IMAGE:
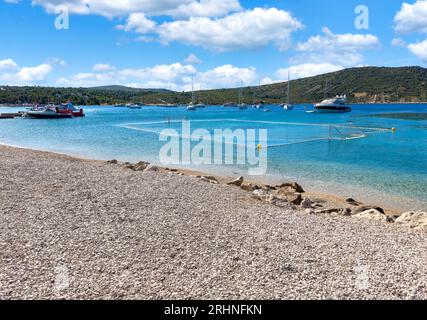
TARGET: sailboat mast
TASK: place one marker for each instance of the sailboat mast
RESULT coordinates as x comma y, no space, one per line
326,88
192,90
289,86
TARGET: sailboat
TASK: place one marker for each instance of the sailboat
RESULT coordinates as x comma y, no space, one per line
255,105
241,105
288,105
192,106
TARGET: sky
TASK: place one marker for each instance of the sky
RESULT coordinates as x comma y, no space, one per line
211,43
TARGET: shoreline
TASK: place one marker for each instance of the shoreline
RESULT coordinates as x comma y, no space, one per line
333,200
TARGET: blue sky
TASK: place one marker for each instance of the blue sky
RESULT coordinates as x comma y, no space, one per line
163,43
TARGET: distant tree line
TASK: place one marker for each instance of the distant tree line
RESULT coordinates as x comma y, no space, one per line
364,85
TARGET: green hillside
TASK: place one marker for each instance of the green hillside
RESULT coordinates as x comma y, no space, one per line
368,84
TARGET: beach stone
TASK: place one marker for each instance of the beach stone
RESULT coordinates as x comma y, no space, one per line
306,203
249,187
152,168
260,194
361,209
333,211
129,166
209,179
238,182
292,185
353,202
295,198
413,219
212,178
372,214
271,198
309,211
141,166
114,161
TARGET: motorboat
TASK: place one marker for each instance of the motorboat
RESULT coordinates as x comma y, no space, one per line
133,106
52,111
48,112
334,105
191,107
69,108
287,106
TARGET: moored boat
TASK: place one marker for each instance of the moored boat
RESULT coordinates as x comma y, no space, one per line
334,105
48,113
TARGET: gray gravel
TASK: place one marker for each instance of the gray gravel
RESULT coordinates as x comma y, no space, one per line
72,228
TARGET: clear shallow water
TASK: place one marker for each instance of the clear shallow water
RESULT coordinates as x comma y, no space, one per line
381,165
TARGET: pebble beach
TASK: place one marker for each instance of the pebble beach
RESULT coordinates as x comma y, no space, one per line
72,228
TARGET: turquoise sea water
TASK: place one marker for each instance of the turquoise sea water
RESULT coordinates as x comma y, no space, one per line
377,164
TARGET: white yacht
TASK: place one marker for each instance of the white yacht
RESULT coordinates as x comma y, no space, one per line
334,105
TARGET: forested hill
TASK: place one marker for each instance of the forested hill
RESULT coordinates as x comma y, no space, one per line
365,85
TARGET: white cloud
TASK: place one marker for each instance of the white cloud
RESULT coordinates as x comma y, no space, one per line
226,76
16,75
339,42
307,70
174,76
268,80
138,22
412,17
206,8
193,59
56,62
8,64
419,49
116,8
159,72
102,67
34,74
398,42
335,49
243,30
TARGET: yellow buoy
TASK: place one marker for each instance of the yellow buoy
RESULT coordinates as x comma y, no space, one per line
393,130
259,147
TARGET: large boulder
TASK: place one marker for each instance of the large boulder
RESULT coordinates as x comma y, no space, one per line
372,214
237,182
416,220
